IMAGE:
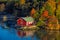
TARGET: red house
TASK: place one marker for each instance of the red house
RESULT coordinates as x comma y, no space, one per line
25,21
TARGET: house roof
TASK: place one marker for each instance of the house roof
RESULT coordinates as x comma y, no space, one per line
28,19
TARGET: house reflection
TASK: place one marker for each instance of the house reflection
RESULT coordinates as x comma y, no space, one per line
25,33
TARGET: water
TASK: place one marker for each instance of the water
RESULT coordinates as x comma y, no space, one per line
48,35
12,34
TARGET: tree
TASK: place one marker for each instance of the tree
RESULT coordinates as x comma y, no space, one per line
33,11
50,6
22,2
58,12
40,23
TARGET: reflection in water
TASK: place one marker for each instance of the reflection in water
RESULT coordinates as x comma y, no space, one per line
10,34
26,34
48,35
40,34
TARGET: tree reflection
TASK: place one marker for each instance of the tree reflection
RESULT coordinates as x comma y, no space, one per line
40,34
47,35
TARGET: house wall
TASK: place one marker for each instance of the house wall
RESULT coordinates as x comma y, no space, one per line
29,23
21,22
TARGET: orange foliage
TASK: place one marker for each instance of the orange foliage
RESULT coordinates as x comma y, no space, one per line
45,13
53,19
59,2
22,2
33,11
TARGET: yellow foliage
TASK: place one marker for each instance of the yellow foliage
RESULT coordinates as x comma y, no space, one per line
58,7
58,12
22,2
52,4
53,23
